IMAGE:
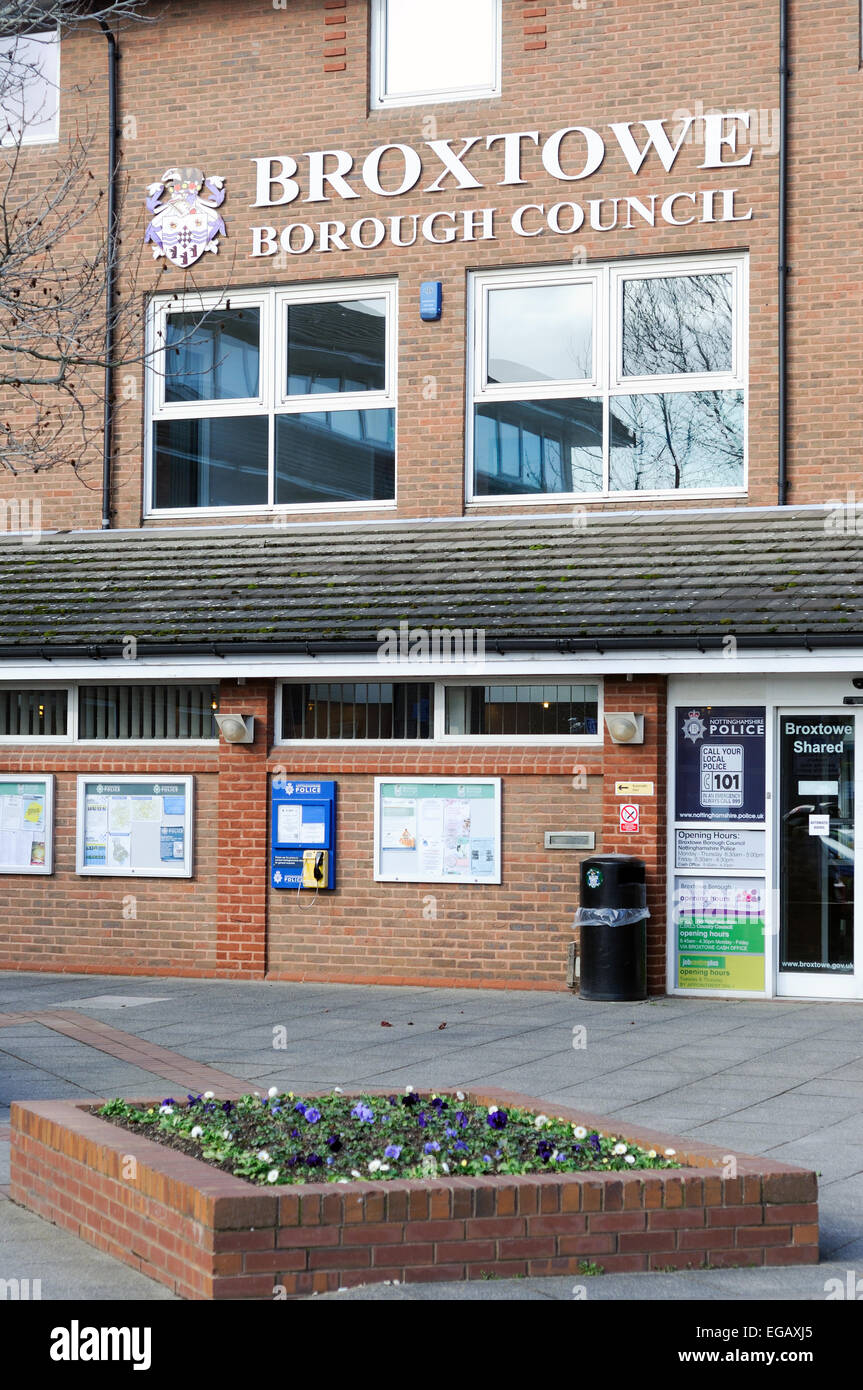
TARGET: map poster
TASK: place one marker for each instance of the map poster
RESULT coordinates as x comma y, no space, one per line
719,772
719,928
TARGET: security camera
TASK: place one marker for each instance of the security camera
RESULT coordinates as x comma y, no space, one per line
625,727
236,728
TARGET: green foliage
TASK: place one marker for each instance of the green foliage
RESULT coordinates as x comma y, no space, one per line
279,1138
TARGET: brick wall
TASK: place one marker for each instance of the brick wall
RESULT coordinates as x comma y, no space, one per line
113,924
486,935
218,84
227,920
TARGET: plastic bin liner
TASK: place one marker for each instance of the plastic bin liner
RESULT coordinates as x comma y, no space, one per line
609,916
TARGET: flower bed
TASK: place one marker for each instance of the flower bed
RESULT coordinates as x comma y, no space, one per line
278,1138
207,1233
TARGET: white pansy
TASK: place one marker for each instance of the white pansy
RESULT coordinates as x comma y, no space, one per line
273,1091
459,1095
264,1156
408,1090
385,1168
355,1174
492,1109
669,1153
197,1132
208,1095
651,1153
619,1149
540,1121
579,1131
445,1167
374,1165
273,1175
337,1091
630,1158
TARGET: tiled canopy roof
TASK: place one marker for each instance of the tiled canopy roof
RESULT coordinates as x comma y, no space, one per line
589,580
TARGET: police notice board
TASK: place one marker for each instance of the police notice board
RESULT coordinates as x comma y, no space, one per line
26,825
135,826
430,830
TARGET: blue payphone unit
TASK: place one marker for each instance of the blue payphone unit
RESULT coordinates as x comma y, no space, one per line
303,835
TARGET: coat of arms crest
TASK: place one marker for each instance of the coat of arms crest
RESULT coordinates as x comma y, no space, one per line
184,225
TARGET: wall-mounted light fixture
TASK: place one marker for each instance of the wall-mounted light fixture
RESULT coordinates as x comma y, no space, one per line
625,727
236,728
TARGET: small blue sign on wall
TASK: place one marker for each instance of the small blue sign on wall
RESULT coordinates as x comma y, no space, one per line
302,818
431,300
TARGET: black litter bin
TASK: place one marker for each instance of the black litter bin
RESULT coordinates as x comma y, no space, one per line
613,923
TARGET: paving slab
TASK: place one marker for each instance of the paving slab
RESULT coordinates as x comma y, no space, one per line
783,1077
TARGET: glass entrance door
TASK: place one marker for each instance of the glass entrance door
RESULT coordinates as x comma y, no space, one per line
817,916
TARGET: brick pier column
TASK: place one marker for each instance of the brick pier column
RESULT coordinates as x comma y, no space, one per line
644,762
243,867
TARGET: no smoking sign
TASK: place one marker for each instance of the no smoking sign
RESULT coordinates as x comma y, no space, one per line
629,818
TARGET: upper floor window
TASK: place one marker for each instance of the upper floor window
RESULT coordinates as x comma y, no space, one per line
616,379
29,88
274,397
434,50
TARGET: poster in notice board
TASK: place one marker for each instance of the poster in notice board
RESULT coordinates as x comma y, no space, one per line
135,826
430,830
26,824
720,763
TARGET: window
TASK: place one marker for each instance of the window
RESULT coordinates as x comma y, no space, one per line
33,713
274,398
609,380
29,88
434,50
356,710
520,711
103,713
147,711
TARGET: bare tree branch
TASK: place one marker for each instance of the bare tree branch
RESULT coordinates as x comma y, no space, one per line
55,259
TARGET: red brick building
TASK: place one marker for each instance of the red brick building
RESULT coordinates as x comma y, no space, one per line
494,375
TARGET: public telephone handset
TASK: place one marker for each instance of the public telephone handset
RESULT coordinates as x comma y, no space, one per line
315,868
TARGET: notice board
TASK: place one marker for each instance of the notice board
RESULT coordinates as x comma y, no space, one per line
26,825
430,830
135,826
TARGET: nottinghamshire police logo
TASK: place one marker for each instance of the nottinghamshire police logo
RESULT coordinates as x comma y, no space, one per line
184,225
693,725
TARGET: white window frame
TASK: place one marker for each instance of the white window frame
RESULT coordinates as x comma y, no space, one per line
72,720
608,380
272,398
51,136
439,735
379,98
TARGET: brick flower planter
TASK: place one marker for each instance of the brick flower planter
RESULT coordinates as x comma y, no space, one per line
207,1234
